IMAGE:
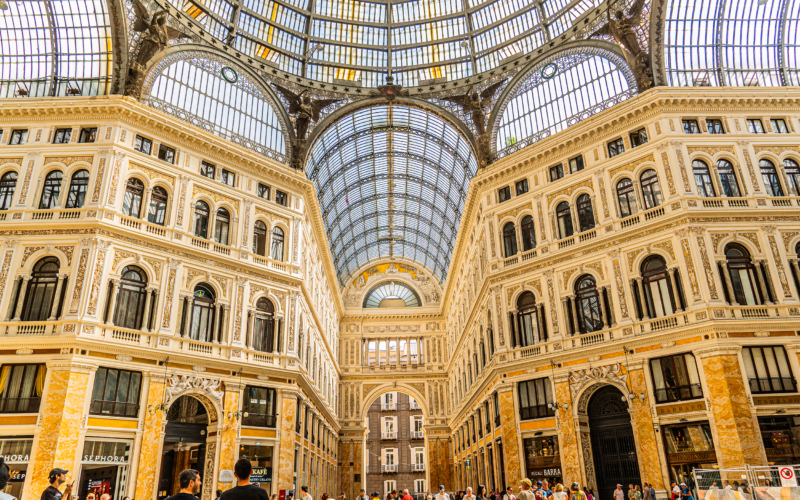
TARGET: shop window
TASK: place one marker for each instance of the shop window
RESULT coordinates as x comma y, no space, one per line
585,213
504,194
263,462
18,137
779,126
7,185
143,145
21,388
715,126
77,189
651,189
201,213
535,399
51,190
616,147
556,172
767,370
228,177
88,135
222,226
157,212
521,187
770,176
41,292
779,434
689,446
264,326
281,198
116,393
626,197
166,153
702,177
277,244
691,127
207,170
576,164
132,203
263,191
104,467
62,136
542,459
675,378
564,217
510,239
727,179
639,137
259,405
755,126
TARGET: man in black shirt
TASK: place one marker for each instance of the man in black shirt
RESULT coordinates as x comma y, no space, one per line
190,485
57,477
243,489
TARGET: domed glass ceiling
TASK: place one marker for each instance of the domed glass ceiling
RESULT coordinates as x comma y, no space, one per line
391,294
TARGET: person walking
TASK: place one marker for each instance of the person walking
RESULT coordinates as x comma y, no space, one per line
676,492
686,492
406,495
469,495
244,490
57,477
509,494
631,492
576,493
442,495
618,493
304,493
637,492
481,493
525,488
559,493
189,482
343,496
646,492
362,494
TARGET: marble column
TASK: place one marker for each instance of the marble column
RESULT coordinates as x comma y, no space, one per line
508,431
565,306
229,431
152,432
738,439
642,299
148,300
57,297
675,293
762,283
285,469
217,314
646,441
113,304
567,435
576,327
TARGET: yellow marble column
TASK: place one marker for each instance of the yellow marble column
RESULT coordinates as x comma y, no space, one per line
649,457
737,432
346,455
358,466
508,431
287,442
60,421
152,433
567,436
230,431
445,466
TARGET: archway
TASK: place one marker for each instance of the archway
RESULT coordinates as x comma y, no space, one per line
613,442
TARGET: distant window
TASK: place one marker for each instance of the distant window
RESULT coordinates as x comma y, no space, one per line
556,172
260,405
702,177
691,127
7,184
727,179
166,153
263,191
585,213
88,135
535,398
626,197
639,137
281,198
18,137
116,392
62,136
157,212
770,176
779,126
132,203
564,217
768,369
715,126
207,170
651,190
616,147
504,194
576,164
521,187
792,170
755,126
228,177
143,145
51,190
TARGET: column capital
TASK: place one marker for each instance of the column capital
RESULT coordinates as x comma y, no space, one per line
711,352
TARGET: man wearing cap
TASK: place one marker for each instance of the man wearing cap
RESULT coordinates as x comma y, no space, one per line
686,493
618,493
442,495
343,496
57,477
362,494
525,492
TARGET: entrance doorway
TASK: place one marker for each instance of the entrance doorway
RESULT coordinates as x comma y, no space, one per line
184,443
613,445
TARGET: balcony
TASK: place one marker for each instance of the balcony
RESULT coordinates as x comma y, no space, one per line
417,435
389,469
388,435
418,467
114,409
388,406
20,405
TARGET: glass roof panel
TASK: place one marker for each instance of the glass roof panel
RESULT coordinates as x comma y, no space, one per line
396,191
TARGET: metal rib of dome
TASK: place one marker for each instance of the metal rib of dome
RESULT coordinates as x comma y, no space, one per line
392,181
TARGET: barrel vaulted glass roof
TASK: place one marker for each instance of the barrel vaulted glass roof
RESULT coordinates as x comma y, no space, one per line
392,181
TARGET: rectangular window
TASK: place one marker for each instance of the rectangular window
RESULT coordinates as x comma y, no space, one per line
675,378
715,126
556,172
389,401
298,425
768,370
496,410
259,403
504,194
388,487
18,137
21,388
576,164
521,187
143,145
88,135
62,136
263,191
639,137
691,127
281,198
755,126
389,428
228,177
541,457
207,170
535,397
419,484
779,126
616,147
166,153
416,427
389,460
116,393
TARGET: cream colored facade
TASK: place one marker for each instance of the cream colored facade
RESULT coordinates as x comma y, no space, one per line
467,327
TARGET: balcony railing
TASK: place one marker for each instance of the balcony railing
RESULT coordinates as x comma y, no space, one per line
389,468
417,435
388,435
259,420
20,405
114,409
388,406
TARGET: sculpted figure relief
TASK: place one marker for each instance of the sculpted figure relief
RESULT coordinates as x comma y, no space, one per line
622,29
304,110
474,105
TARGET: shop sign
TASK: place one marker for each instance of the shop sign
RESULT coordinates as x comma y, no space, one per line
550,472
776,400
16,458
687,407
692,457
17,476
98,459
261,475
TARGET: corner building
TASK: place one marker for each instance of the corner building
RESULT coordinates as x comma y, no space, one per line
587,271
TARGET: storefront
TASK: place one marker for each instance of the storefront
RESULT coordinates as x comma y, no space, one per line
542,459
688,446
781,436
16,451
261,459
104,468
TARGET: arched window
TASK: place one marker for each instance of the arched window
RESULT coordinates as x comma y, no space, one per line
131,299
260,238
651,190
277,244
7,184
77,189
132,204
702,177
201,213
564,217
790,167
659,295
587,300
585,213
770,176
157,213
264,326
202,315
222,226
743,276
51,190
727,179
528,233
626,197
526,307
41,291
510,239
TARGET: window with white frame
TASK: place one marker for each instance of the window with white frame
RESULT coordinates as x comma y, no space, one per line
390,460
389,401
419,486
388,487
388,427
416,427
413,402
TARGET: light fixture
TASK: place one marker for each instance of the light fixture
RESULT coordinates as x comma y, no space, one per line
558,406
683,420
